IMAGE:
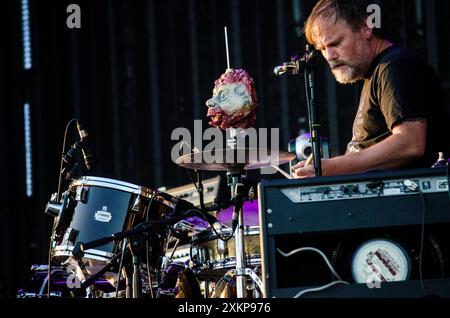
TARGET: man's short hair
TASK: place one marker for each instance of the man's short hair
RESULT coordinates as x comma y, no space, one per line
352,12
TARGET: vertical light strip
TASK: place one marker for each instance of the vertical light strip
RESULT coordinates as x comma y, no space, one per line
26,35
27,64
28,163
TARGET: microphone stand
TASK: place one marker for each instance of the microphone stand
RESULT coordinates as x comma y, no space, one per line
314,125
307,65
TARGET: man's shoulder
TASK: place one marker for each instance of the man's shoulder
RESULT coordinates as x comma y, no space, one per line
402,59
396,53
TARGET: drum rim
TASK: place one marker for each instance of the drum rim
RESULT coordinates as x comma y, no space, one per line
211,268
203,236
253,259
98,255
113,184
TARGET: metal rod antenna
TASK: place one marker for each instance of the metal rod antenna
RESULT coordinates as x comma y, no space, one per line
226,48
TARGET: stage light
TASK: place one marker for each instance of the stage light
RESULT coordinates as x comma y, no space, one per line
28,159
26,40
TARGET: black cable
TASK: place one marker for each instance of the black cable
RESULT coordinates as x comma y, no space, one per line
422,240
413,186
58,197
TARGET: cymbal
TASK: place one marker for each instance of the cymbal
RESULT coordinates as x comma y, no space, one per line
235,159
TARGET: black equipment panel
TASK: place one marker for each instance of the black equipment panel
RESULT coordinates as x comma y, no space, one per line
337,214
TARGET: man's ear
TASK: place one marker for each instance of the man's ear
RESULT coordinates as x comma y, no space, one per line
367,32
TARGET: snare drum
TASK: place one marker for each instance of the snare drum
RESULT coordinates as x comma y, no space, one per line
99,207
213,257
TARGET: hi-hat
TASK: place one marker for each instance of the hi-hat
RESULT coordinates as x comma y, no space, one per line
235,159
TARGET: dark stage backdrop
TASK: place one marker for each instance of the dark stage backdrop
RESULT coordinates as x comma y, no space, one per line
136,70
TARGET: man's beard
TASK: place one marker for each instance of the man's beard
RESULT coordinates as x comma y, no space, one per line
346,74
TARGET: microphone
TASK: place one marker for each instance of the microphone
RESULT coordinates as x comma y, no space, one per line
285,67
298,64
88,156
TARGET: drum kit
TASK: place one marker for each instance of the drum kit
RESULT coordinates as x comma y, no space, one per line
116,239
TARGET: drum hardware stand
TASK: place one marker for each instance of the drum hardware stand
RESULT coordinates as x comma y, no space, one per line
223,282
234,178
200,189
87,283
235,172
234,181
174,248
119,272
135,246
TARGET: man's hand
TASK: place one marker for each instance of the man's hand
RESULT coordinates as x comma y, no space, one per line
301,171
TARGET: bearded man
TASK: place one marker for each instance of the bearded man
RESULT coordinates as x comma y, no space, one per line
401,121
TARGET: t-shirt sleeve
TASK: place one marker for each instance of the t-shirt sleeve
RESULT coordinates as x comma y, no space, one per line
402,91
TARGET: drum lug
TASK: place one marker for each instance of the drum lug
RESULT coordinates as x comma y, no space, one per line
81,194
136,207
70,236
222,249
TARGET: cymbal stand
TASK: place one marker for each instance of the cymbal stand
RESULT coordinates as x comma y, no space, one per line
234,178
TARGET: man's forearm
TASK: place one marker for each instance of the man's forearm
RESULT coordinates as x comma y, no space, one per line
393,152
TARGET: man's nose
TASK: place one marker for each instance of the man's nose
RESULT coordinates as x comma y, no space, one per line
330,54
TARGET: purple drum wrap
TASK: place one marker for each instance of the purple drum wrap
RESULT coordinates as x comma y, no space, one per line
251,214
251,217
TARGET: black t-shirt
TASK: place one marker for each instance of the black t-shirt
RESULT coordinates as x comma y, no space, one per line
401,86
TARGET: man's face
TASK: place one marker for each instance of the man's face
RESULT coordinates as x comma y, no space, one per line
228,102
347,52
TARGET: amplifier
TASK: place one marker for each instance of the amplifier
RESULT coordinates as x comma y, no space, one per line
395,223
